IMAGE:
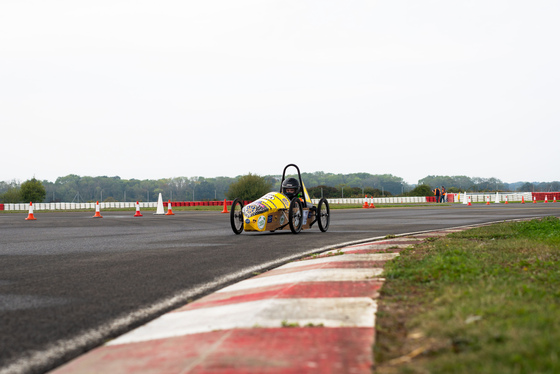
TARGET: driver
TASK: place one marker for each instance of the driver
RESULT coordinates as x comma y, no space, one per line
290,187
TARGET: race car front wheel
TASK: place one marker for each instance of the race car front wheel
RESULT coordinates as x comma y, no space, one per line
295,215
236,216
323,215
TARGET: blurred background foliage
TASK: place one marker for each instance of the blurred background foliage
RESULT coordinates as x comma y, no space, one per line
74,188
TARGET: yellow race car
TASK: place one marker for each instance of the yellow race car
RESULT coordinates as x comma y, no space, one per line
290,208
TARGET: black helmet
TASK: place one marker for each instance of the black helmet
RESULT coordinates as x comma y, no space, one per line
290,183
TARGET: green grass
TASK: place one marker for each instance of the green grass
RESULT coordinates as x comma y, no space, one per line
486,300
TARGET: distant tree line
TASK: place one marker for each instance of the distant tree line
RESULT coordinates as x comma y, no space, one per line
74,188
463,183
357,184
28,191
344,192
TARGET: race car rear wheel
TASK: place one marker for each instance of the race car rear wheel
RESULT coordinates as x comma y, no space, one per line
323,215
236,216
295,215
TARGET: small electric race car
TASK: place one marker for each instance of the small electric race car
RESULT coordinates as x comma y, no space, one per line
291,207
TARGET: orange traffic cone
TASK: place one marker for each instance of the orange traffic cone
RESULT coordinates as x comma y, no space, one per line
554,199
97,211
546,198
137,214
225,207
366,205
506,200
522,199
371,203
534,199
469,204
487,200
169,210
30,216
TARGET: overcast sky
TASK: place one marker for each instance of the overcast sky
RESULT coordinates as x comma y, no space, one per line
159,89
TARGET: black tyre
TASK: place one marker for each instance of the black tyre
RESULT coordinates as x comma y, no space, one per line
295,215
323,215
236,216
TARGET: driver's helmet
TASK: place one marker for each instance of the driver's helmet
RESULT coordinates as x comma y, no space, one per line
290,184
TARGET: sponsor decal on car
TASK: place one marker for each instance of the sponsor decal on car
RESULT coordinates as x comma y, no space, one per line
269,218
254,208
261,222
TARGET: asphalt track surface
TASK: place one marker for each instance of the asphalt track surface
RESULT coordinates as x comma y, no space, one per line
69,282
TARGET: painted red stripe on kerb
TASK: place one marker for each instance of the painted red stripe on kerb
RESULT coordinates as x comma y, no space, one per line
366,288
258,350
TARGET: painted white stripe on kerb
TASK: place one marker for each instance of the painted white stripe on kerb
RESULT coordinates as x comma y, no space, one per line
342,258
315,275
373,246
331,312
367,248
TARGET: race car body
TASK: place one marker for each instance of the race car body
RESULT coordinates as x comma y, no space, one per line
275,211
267,213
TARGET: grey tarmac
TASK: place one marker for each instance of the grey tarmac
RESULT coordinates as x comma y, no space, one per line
69,282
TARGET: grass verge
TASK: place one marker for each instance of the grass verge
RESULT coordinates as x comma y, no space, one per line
486,300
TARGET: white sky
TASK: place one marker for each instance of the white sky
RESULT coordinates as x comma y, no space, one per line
157,89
